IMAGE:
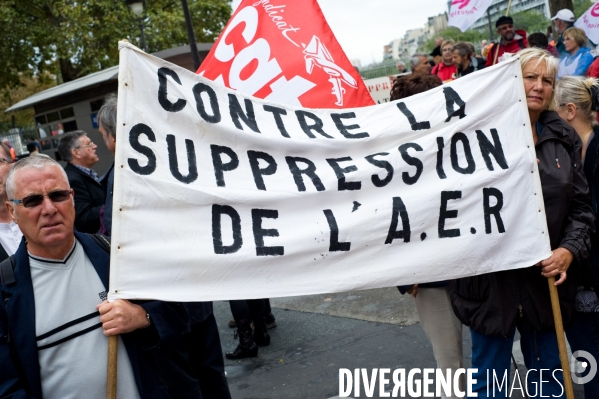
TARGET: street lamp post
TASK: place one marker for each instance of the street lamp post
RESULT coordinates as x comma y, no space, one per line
191,36
491,37
137,8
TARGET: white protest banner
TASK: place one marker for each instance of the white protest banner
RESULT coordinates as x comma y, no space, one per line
463,13
223,196
589,23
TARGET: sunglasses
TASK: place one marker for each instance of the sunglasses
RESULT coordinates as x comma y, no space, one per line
32,201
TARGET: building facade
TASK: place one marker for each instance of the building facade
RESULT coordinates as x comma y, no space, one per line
410,42
391,50
435,25
404,48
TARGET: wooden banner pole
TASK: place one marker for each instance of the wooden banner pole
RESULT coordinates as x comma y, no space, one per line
507,12
509,5
113,343
561,340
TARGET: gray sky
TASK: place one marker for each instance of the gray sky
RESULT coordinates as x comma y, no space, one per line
363,27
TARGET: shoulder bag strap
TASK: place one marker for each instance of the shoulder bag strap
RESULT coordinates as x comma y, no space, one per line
102,241
7,273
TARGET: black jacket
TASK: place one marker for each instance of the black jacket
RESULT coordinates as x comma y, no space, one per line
492,304
476,64
89,198
591,164
149,349
590,269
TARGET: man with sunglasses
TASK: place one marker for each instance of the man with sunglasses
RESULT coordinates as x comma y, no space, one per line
511,40
10,234
54,318
79,152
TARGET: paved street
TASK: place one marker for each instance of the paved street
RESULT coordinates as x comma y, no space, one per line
317,335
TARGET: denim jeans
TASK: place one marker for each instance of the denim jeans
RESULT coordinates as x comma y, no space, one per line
583,334
492,355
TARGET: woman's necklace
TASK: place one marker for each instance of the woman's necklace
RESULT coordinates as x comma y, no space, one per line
585,138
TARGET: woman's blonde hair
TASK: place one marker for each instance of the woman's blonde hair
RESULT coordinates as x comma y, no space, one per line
538,55
578,35
578,91
446,42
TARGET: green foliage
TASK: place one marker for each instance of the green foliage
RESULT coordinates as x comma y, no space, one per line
531,21
580,6
74,38
26,87
456,35
46,42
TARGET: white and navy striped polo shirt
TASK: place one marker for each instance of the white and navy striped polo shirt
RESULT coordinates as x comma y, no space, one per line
72,350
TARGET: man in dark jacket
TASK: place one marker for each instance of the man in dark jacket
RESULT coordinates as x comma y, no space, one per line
53,344
200,347
79,152
464,60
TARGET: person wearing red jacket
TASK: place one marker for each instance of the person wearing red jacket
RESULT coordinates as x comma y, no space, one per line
511,40
446,70
593,71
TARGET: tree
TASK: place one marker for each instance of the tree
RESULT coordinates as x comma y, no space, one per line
556,5
28,86
531,21
456,35
74,38
581,6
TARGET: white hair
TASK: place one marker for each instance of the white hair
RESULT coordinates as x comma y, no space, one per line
35,162
416,59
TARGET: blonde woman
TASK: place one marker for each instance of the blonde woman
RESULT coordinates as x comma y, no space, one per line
494,305
577,100
578,57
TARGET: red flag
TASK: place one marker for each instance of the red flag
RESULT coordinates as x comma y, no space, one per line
284,51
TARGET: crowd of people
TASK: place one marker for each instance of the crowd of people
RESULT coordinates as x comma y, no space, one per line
562,94
56,225
450,60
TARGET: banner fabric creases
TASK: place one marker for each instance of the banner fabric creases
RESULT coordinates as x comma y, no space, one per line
219,195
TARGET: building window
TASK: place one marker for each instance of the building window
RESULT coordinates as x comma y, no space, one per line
55,123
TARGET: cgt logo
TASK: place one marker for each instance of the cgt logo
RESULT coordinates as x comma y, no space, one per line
461,3
257,51
595,10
